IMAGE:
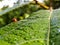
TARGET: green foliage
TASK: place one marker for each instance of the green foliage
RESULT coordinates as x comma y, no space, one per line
30,31
55,28
4,7
55,3
4,43
1,22
19,12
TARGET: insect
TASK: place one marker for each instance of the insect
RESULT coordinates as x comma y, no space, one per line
14,20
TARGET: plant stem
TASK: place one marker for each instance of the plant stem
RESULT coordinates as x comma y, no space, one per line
51,5
51,9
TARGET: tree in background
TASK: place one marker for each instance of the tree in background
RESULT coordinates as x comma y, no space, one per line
5,7
56,3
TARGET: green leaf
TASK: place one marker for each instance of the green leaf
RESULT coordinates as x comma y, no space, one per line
33,30
55,28
4,43
30,31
